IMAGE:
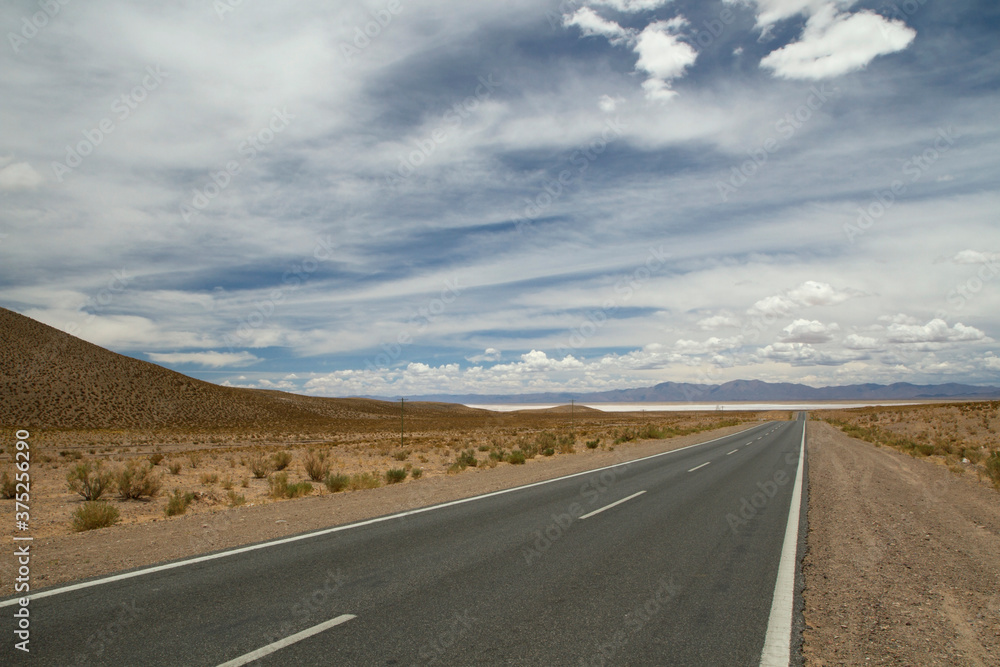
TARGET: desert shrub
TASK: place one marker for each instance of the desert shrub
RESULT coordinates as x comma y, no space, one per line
416,473
277,483
89,481
336,483
281,460
497,455
566,448
155,459
178,502
924,449
468,458
194,459
298,489
651,432
625,435
227,483
94,514
484,448
395,475
365,480
236,499
209,478
134,481
280,488
546,440
593,444
548,451
8,487
401,455
259,466
992,465
316,466
516,457
175,467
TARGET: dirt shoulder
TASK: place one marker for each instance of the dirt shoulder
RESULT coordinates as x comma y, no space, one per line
62,558
903,564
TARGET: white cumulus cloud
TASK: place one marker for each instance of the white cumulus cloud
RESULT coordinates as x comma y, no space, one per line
809,293
858,342
834,44
991,362
490,354
809,331
590,24
770,12
935,331
663,56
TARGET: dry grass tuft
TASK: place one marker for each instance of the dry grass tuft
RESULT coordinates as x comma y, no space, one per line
94,514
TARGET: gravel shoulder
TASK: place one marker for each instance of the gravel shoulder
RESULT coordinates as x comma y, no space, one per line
903,562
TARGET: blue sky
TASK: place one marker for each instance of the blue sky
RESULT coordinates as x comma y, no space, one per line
403,197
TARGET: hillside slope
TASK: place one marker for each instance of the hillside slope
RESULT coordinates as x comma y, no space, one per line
50,379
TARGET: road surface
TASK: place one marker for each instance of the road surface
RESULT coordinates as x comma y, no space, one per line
669,560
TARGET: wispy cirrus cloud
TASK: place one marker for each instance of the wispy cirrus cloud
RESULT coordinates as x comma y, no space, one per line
613,120
206,359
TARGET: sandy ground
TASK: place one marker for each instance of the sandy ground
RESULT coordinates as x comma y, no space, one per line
903,566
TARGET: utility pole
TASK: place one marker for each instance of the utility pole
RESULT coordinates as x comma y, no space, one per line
572,419
402,403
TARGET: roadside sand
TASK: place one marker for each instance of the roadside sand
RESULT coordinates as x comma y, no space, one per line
903,566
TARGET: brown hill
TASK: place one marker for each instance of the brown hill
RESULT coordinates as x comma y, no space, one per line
562,410
50,379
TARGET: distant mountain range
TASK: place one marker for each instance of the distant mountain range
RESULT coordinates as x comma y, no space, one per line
737,390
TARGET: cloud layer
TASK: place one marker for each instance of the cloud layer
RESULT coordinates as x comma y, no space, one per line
444,196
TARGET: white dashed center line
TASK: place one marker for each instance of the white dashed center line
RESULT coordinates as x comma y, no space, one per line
287,641
607,507
701,466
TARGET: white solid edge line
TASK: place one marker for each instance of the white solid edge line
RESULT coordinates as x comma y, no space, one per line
336,529
287,641
778,640
617,502
701,466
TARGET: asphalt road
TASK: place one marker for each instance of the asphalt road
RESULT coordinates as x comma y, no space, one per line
671,560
